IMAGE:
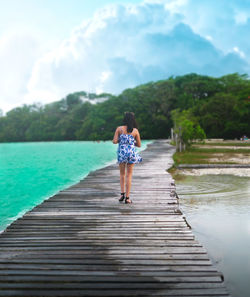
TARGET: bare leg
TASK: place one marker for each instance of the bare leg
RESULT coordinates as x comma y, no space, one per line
122,176
129,179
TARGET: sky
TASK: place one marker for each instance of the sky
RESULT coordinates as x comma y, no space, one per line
50,48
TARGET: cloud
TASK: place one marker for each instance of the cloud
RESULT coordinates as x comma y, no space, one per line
126,45
227,22
17,56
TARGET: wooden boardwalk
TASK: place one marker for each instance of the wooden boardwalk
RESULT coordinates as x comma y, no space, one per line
83,242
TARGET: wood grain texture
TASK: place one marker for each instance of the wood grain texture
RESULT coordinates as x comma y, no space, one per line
83,242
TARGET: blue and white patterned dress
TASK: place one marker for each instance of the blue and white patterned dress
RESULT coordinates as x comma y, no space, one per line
126,152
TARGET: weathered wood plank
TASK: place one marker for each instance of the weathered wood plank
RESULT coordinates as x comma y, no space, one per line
108,279
108,250
109,267
102,273
150,284
77,263
116,293
72,256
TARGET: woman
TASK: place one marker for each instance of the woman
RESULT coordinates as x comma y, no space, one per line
128,137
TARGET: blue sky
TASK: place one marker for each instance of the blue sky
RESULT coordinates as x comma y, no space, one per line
49,48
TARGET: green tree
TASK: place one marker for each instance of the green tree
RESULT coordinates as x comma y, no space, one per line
187,126
218,106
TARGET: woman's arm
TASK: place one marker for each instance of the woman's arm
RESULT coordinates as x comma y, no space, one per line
116,136
138,139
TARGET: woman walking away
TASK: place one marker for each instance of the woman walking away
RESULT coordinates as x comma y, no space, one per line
128,137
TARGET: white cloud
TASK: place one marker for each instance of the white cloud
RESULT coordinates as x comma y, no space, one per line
241,17
226,21
17,56
115,35
208,37
126,45
238,51
175,5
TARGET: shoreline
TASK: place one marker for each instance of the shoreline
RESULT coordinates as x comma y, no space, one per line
212,159
81,177
242,172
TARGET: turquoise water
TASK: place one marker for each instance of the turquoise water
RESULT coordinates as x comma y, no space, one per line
33,171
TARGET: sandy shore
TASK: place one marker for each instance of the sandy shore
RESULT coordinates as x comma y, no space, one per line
235,158
216,171
223,147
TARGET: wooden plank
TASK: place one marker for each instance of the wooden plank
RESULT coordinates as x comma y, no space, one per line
108,250
116,293
109,237
72,256
139,260
109,267
108,279
114,228
150,284
102,273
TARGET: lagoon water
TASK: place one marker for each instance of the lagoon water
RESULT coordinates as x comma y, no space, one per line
33,171
218,209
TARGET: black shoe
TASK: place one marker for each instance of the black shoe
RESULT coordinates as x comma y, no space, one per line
122,197
127,200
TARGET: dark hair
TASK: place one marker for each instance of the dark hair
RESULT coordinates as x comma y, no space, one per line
129,121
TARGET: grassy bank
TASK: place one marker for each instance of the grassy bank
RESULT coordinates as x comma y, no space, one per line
211,155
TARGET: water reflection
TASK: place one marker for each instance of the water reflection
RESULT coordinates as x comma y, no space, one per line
218,209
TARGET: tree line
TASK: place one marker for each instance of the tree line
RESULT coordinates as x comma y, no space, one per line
218,106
